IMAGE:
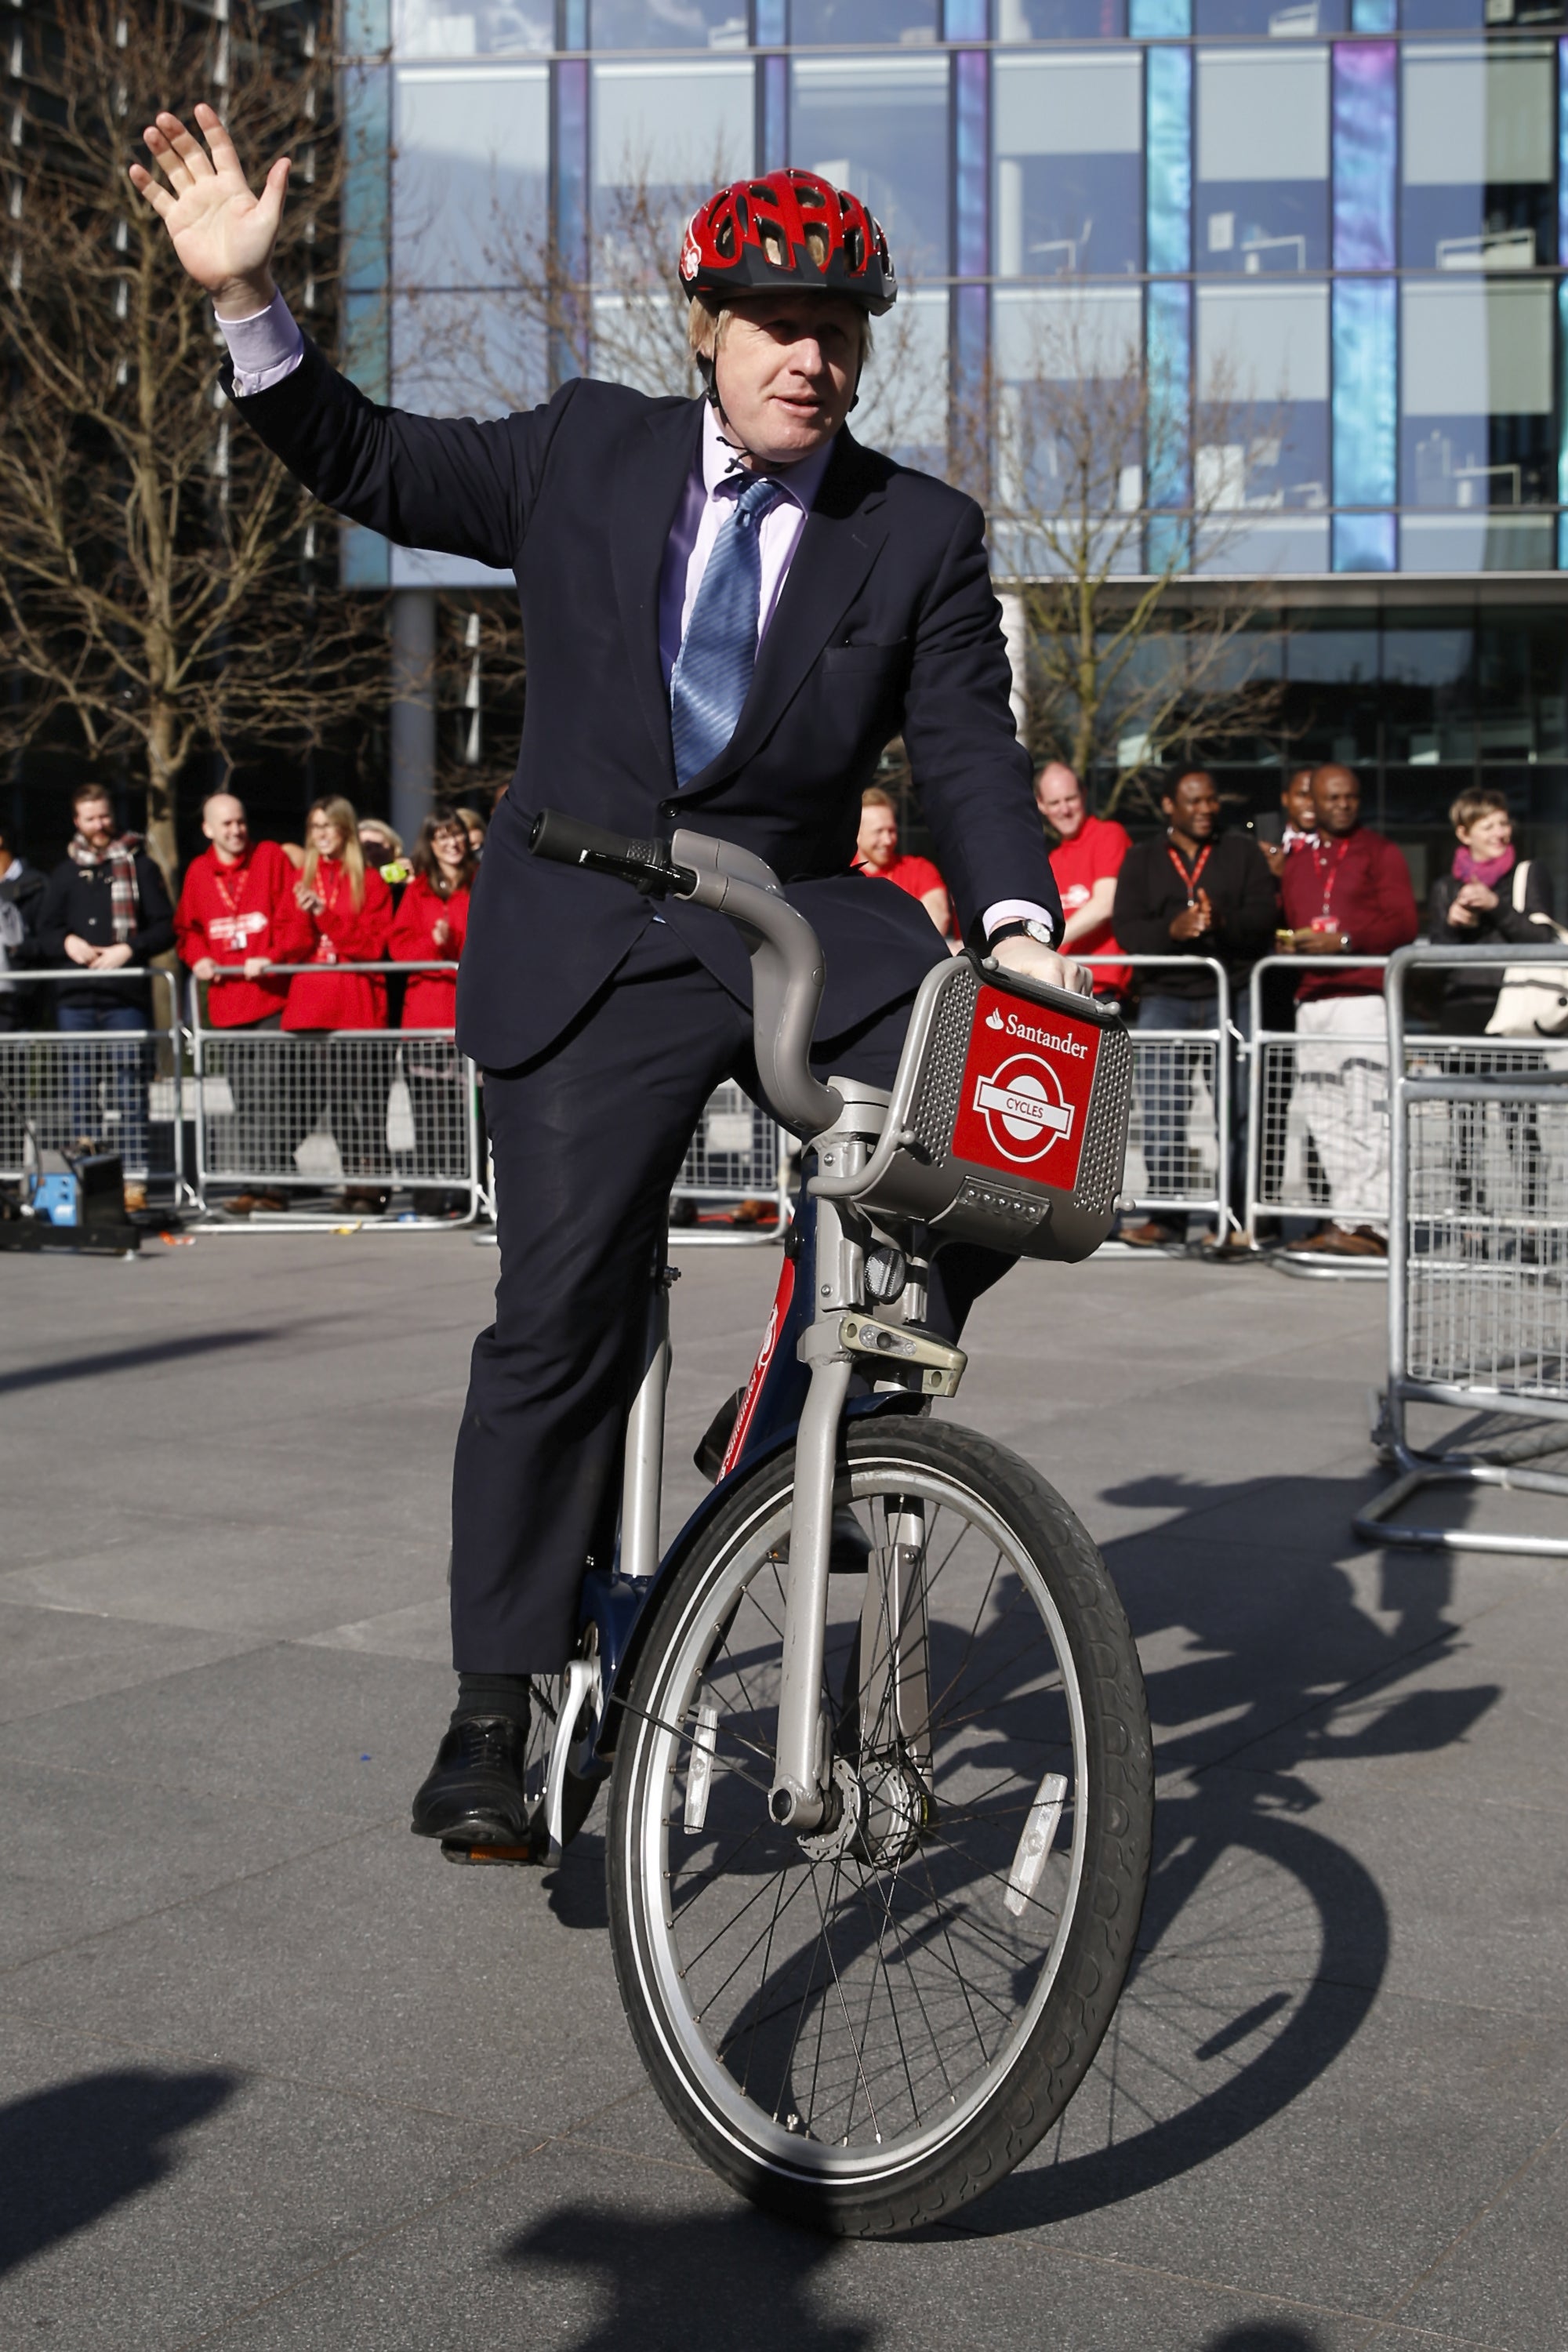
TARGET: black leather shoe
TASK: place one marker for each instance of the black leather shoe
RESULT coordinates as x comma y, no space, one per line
473,1794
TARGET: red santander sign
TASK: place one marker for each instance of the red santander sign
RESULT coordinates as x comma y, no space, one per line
1023,1106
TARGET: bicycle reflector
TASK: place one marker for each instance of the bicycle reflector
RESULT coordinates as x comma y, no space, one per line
1016,1097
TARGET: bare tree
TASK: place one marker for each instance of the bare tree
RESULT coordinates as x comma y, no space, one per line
167,589
1114,533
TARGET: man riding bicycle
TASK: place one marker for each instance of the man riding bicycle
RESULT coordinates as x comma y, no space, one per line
729,606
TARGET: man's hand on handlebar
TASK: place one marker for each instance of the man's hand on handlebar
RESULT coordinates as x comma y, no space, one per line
1035,962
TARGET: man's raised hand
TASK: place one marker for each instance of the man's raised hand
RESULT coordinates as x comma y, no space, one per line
222,232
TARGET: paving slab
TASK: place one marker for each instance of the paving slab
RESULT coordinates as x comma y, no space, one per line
336,2093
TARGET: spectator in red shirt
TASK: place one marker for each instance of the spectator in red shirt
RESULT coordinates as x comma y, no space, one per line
1086,862
1351,888
877,854
349,908
432,922
237,913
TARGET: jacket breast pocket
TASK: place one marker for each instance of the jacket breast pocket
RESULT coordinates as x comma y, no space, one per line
864,661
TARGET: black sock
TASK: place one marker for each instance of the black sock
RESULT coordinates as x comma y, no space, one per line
492,1695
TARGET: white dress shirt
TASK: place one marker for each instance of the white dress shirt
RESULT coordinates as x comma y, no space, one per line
267,346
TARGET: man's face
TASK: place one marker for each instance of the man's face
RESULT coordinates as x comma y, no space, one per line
1336,796
1058,796
224,825
1296,800
1193,807
95,822
786,371
878,840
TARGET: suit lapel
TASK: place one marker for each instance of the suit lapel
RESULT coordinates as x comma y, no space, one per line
842,539
650,476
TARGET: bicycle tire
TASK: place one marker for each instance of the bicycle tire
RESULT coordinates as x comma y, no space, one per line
911,2150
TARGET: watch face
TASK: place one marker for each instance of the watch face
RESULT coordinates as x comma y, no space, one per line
1040,932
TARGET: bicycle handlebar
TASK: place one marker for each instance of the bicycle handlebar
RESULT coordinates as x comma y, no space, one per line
786,956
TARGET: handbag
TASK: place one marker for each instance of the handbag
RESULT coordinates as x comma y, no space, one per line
1533,999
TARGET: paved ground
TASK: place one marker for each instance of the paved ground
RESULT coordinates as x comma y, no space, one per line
276,2076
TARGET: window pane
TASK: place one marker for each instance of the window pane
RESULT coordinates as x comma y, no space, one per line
903,395
667,24
1263,161
472,177
859,21
1069,178
879,125
1262,437
1475,394
1070,431
468,28
1060,20
1282,20
1473,16
1478,165
664,136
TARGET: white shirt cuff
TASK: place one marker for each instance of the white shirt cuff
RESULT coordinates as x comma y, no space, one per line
1018,910
264,348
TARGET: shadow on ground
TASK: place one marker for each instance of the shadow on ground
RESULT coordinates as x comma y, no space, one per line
665,2285
68,2156
1264,1941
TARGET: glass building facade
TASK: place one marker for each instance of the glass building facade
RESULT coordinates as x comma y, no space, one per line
1352,212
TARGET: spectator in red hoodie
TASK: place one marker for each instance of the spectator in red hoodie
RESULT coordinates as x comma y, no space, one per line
237,913
1086,862
877,854
1348,889
432,922
349,909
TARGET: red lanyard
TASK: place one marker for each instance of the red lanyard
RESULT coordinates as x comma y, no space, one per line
1190,881
1336,860
231,898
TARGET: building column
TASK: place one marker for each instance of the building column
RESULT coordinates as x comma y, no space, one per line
413,708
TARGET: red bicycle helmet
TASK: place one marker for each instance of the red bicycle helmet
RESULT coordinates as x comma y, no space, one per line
788,231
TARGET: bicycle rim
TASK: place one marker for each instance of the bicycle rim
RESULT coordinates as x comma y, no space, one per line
842,2015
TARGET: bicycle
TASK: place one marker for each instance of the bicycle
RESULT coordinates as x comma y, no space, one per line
880,1803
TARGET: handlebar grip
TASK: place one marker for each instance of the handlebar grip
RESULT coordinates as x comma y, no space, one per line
568,841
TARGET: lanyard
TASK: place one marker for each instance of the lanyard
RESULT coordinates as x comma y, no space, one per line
230,898
1326,874
1190,881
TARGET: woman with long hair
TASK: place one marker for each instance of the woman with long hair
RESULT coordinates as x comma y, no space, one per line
350,911
431,924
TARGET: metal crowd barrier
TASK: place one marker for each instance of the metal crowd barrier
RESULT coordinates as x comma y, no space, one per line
1478,1290
114,1089
306,1114
738,1156
1178,1145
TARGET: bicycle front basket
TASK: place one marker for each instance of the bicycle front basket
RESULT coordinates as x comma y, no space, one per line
1017,1097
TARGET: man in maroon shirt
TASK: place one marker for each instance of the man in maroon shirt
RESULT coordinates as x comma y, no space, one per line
1349,888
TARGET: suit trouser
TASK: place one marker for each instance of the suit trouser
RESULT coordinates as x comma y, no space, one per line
588,1140
1341,1076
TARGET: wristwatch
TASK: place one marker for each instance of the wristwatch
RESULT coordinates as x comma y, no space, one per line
1041,933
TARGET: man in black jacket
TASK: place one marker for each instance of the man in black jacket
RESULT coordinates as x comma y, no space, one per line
22,889
1193,890
730,607
107,911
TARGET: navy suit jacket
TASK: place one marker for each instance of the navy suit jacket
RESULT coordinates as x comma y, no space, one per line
886,624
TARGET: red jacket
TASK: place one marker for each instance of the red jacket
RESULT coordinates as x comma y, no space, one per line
342,934
1361,881
232,913
430,1000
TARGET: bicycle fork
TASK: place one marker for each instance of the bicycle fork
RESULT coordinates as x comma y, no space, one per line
840,1340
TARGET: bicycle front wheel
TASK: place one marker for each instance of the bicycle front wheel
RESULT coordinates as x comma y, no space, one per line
865,2027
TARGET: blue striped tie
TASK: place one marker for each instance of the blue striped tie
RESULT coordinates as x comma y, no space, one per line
718,651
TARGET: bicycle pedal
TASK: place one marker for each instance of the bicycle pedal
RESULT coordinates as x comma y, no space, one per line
517,1857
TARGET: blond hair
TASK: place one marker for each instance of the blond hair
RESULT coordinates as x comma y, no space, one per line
341,812
708,320
875,797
